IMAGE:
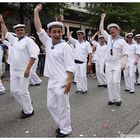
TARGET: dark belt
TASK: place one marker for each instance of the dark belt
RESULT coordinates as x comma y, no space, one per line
78,62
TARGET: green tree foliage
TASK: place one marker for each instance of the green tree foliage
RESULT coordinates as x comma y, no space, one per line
23,10
124,14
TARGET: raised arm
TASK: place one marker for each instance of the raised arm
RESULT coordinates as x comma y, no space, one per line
37,21
69,34
101,26
93,37
3,26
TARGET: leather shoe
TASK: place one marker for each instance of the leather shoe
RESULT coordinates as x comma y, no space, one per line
111,103
83,92
118,103
100,85
24,115
105,86
57,130
126,90
61,135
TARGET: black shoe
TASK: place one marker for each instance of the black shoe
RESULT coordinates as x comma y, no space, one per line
126,90
118,103
57,130
83,92
78,91
61,135
132,92
38,84
23,115
105,86
138,84
100,85
111,103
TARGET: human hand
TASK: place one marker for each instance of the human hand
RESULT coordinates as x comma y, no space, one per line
103,15
38,7
1,18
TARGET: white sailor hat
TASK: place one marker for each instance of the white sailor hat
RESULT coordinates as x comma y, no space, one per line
100,36
137,36
80,31
113,25
55,24
19,26
128,34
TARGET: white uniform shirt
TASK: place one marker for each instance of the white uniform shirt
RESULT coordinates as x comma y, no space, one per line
120,48
132,54
59,60
81,49
21,52
99,53
10,50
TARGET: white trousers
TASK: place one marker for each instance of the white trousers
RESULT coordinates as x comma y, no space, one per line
113,84
19,90
81,76
2,88
58,106
138,67
101,76
34,77
129,78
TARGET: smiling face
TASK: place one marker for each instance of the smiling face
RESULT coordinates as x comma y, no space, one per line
114,32
20,32
56,35
129,38
80,36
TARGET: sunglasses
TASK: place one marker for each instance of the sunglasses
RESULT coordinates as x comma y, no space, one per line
111,51
78,34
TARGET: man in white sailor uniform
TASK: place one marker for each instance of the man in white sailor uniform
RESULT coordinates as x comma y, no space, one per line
35,80
24,54
99,58
59,68
130,70
115,60
82,50
137,38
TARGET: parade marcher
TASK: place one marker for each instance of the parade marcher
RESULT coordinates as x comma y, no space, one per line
115,60
130,70
24,53
100,60
2,88
137,38
82,50
35,80
59,68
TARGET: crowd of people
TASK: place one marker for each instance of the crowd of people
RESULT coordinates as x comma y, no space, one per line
108,57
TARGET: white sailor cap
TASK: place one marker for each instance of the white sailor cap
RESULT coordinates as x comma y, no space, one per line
80,31
100,36
55,24
128,34
19,26
137,36
113,25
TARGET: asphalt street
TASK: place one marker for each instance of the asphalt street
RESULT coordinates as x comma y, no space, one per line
90,114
